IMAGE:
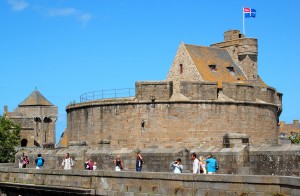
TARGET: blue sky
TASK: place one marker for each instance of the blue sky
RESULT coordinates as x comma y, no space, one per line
68,47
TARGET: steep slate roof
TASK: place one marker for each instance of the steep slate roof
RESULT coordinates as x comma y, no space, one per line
205,56
35,99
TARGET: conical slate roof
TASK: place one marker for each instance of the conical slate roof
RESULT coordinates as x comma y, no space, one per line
35,99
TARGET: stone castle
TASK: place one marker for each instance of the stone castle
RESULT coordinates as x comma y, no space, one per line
212,101
209,93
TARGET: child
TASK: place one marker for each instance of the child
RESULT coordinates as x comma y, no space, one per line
95,166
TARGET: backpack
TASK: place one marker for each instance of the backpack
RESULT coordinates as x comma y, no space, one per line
217,165
39,161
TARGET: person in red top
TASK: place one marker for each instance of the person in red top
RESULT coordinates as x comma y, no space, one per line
90,164
25,162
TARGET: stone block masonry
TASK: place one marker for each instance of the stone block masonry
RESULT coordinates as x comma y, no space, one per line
59,182
151,118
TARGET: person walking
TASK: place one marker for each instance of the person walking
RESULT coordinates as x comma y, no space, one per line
21,160
86,164
118,163
211,164
176,166
39,162
202,165
196,164
67,162
139,162
25,162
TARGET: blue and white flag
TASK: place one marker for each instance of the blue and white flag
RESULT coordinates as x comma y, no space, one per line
248,12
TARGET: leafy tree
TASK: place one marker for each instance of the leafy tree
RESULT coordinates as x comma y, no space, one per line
9,139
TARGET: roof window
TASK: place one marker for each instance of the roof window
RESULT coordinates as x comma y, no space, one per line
231,71
213,69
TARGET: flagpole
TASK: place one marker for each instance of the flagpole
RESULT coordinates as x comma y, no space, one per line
243,21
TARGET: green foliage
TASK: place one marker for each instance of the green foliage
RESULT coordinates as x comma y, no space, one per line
9,139
295,137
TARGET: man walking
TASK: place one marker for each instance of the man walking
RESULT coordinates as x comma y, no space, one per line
68,162
39,162
196,163
211,164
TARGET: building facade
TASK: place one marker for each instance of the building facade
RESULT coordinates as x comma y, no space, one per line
37,117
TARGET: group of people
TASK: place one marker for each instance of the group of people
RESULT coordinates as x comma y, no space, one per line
89,165
23,161
67,162
208,165
119,163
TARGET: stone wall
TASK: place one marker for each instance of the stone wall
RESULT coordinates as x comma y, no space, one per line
146,91
20,181
275,160
171,124
234,158
40,131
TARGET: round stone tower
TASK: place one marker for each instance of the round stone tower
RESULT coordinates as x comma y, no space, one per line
243,51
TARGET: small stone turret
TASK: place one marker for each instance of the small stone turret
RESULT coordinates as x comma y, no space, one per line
242,50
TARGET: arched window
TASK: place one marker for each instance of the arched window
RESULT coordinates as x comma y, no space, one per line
24,142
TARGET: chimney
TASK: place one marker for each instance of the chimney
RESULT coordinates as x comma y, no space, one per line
282,123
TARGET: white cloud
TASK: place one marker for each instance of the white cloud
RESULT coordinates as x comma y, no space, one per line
82,17
62,12
18,5
85,18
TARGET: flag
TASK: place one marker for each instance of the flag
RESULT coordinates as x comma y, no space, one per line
248,12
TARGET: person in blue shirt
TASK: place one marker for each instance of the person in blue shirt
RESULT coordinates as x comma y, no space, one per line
211,164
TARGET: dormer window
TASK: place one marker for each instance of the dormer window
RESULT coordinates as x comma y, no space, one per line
231,71
213,69
180,68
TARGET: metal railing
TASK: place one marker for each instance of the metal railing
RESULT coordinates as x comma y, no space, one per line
106,94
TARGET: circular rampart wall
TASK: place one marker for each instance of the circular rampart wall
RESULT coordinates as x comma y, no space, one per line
187,124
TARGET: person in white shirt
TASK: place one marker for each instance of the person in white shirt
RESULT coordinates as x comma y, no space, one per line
68,162
176,166
196,163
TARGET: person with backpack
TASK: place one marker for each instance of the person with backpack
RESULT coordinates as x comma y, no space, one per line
39,162
211,164
68,162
